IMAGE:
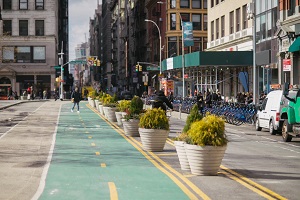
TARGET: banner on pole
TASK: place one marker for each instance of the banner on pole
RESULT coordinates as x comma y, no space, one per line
188,34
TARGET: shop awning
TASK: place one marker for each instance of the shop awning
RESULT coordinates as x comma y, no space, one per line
295,46
211,58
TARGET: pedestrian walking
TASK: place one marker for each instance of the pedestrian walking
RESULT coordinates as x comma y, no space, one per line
76,97
29,93
200,102
171,97
45,94
85,93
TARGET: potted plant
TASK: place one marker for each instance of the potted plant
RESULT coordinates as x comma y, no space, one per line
183,137
122,106
132,117
110,107
206,145
154,129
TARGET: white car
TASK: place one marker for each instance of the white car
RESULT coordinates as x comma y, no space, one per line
268,115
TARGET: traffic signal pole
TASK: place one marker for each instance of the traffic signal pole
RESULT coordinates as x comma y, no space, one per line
61,72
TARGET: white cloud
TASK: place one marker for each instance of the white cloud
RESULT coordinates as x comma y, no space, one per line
80,12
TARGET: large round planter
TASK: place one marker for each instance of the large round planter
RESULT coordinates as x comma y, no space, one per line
131,127
105,111
92,101
110,114
153,139
180,149
97,104
204,160
101,109
119,118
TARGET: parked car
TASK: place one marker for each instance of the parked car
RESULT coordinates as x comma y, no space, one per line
268,114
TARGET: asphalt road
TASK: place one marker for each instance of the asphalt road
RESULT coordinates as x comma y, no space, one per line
256,165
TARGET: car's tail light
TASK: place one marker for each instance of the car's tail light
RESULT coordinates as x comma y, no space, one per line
277,116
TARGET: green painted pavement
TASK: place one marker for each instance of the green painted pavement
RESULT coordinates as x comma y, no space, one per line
76,173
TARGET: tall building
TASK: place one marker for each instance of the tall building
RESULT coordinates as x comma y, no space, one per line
29,43
288,33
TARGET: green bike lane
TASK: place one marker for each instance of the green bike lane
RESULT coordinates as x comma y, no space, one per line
92,160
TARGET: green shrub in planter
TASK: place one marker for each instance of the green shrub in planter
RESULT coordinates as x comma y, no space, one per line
192,117
123,105
208,131
154,119
136,105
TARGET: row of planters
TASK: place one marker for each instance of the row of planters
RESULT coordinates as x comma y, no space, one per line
200,147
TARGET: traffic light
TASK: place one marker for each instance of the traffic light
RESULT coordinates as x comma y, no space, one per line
140,68
137,68
95,62
98,63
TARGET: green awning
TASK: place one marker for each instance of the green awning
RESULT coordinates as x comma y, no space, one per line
295,46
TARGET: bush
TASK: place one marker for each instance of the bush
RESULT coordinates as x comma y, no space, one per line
136,105
123,105
208,131
154,119
192,117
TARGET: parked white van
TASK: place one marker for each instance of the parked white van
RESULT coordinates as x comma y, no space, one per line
268,115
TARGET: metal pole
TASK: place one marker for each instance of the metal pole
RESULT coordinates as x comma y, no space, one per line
61,72
254,52
182,43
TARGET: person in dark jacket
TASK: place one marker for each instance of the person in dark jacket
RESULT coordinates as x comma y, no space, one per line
76,97
200,102
160,101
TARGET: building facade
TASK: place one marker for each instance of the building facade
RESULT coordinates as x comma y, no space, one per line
29,44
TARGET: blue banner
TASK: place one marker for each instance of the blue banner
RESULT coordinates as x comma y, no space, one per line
243,76
188,34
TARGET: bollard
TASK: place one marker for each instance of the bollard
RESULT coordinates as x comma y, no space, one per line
179,111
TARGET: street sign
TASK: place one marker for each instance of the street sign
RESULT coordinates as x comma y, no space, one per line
78,62
57,67
153,68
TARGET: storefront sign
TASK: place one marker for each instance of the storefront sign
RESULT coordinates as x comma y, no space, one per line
286,65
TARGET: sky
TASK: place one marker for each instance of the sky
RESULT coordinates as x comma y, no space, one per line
80,12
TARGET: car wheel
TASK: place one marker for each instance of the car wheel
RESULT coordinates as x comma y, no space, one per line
286,128
257,127
271,128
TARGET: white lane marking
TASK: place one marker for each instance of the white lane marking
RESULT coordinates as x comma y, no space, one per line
46,168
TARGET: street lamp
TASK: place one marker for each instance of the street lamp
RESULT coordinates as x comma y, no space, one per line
182,49
160,67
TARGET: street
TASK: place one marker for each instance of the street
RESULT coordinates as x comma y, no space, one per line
47,152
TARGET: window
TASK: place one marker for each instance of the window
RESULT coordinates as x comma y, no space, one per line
196,19
6,4
197,44
205,22
269,24
245,20
212,31
212,3
223,26
196,4
39,27
173,4
231,23
204,4
263,27
204,43
23,28
217,28
7,28
173,21
24,54
238,19
23,4
39,4
172,46
184,3
217,2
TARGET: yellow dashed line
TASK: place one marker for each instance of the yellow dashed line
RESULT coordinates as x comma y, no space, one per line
90,137
103,165
167,154
93,144
113,191
87,132
97,153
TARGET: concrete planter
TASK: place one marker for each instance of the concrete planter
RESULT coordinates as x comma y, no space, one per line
153,139
131,127
204,160
105,111
183,160
119,118
101,109
97,104
110,114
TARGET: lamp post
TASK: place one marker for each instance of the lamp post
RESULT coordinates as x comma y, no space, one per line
61,72
160,67
182,49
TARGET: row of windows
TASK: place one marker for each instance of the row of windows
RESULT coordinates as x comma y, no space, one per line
23,27
24,54
199,20
192,4
23,4
237,22
215,2
175,46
